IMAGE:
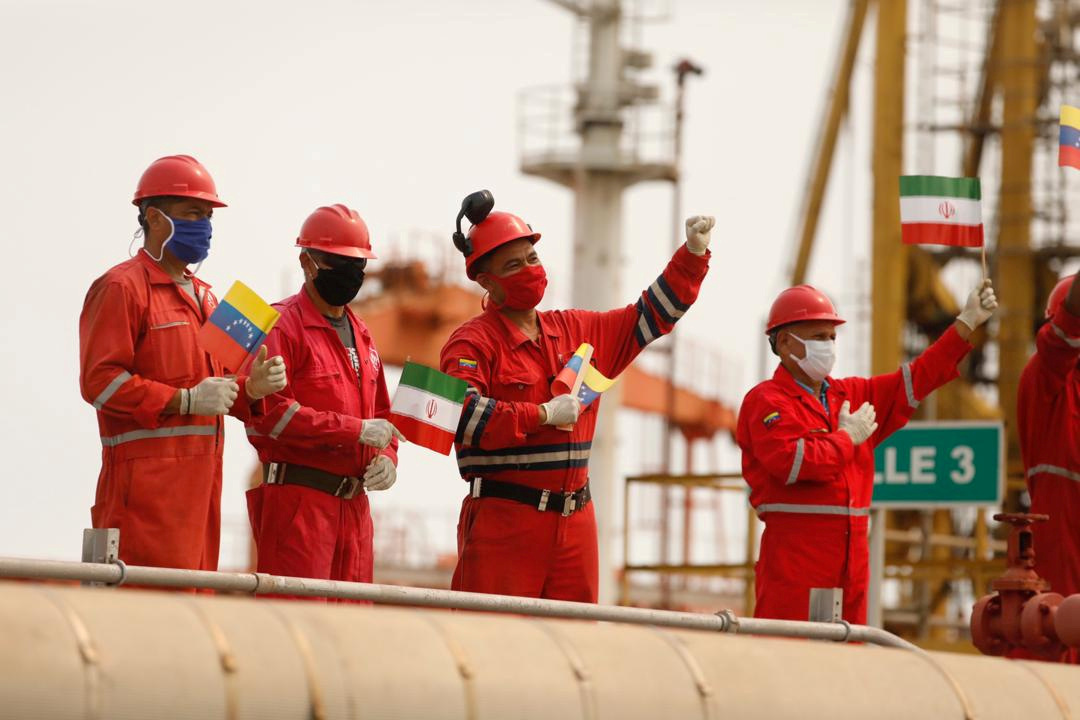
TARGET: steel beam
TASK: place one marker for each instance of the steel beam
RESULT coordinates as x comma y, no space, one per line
890,256
1018,72
835,111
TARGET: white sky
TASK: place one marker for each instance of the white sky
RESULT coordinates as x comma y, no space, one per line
397,109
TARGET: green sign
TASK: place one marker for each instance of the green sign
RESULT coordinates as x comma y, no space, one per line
941,464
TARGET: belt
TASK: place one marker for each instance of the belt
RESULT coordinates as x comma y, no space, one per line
345,488
542,500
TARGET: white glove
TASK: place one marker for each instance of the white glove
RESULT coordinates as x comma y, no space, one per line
380,474
861,424
980,305
378,433
213,396
698,230
561,410
267,376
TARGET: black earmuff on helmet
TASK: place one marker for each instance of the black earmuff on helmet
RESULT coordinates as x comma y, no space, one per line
475,207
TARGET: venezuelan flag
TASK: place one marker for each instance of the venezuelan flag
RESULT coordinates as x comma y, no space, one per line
1069,137
237,327
592,384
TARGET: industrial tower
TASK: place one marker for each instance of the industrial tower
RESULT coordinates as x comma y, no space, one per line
607,148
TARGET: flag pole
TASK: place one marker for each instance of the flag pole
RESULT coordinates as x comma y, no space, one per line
985,273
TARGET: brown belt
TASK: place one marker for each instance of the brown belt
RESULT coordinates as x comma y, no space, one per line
288,474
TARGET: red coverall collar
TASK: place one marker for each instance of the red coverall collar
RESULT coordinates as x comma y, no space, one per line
786,381
513,332
158,276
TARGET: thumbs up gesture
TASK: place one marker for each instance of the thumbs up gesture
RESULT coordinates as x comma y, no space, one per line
267,375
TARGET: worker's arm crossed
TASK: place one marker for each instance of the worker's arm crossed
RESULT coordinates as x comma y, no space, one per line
794,452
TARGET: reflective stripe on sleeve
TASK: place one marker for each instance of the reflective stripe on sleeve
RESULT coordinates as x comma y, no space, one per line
664,299
279,427
1053,470
800,449
1070,341
111,388
801,509
645,331
178,431
478,411
909,386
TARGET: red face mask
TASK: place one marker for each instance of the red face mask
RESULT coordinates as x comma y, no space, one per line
524,289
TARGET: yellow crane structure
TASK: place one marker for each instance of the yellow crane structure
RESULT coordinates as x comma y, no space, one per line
992,88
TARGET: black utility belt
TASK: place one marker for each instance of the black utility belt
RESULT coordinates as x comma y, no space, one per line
542,500
288,474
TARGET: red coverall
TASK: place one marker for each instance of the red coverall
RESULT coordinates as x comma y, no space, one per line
505,546
812,486
1048,420
316,421
160,480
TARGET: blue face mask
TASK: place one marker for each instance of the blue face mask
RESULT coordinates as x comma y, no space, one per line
189,240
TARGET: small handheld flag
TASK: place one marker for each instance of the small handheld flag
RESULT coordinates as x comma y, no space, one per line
427,407
592,381
941,211
1069,137
237,327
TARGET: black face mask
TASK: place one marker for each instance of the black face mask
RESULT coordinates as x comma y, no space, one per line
338,286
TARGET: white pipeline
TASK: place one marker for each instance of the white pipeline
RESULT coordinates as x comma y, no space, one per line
262,584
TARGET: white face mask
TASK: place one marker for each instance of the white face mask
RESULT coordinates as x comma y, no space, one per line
820,358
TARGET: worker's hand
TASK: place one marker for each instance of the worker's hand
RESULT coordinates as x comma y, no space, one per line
213,396
980,305
698,230
378,433
267,376
861,424
561,410
380,474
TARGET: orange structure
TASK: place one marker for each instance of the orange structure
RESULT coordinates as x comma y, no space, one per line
411,317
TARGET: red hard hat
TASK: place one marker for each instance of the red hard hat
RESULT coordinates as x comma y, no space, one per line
179,176
495,230
1057,295
338,230
801,303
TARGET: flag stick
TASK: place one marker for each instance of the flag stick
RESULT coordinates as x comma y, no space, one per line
985,274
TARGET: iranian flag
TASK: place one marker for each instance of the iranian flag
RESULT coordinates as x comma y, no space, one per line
941,211
427,407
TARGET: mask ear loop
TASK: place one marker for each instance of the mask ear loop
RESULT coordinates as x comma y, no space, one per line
134,236
172,231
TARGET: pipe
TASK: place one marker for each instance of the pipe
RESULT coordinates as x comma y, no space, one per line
79,653
261,583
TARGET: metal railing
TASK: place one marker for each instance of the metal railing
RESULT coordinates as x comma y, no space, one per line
722,482
117,573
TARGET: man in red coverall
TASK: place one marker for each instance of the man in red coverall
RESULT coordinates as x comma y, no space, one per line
527,527
1048,419
809,458
159,396
324,440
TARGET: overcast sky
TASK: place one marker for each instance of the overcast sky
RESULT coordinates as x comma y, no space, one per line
397,109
